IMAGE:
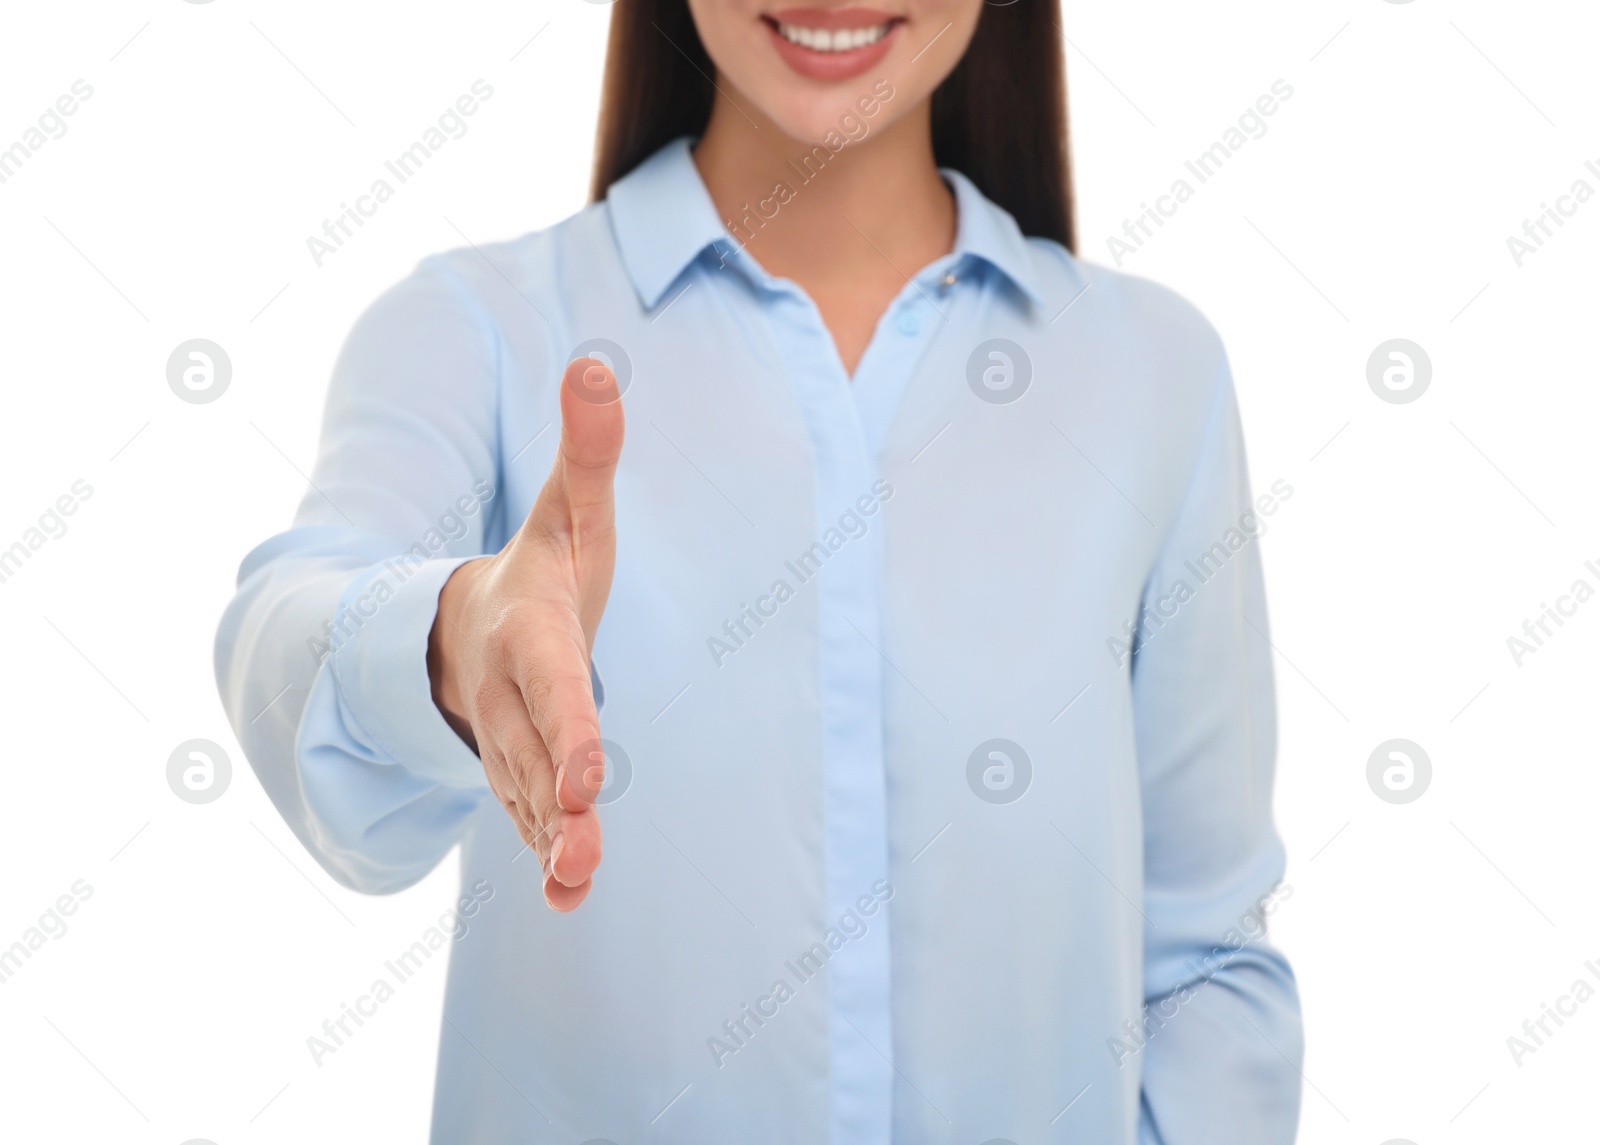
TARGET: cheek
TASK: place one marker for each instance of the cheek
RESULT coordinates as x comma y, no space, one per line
731,32
940,30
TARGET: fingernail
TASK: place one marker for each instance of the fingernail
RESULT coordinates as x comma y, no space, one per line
594,779
556,844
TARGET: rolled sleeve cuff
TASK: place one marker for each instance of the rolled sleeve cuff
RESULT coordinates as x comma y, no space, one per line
382,671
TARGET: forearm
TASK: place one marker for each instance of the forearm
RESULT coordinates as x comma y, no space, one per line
321,663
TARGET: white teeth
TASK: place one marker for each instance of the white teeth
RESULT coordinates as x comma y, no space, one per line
822,40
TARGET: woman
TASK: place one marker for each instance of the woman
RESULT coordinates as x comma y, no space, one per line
937,704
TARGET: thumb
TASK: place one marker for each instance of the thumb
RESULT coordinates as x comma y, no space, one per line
575,511
591,434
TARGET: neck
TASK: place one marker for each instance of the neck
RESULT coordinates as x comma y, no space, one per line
876,208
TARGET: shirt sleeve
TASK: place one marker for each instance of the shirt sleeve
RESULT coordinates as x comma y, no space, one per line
321,656
1220,1044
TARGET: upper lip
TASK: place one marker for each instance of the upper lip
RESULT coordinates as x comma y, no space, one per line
832,19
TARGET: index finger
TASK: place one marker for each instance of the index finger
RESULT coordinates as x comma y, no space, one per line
554,680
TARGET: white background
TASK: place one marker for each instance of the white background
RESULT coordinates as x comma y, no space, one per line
1419,536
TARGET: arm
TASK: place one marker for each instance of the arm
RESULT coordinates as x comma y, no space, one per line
1222,1019
321,656
370,645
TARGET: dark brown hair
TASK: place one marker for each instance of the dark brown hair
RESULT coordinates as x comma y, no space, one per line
1000,118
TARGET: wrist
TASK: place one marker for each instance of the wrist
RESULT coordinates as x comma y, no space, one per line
447,649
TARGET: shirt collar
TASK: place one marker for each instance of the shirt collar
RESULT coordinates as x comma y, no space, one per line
987,231
663,218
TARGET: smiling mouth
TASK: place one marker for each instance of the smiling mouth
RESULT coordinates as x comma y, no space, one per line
830,41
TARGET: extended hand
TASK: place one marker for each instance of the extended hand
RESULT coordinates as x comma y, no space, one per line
509,652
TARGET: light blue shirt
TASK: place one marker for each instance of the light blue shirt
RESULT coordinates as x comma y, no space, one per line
940,696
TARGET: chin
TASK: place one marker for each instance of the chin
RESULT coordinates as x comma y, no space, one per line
836,121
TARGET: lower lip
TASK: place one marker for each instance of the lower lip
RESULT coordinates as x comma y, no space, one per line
833,66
